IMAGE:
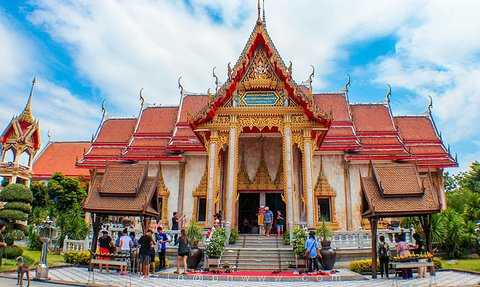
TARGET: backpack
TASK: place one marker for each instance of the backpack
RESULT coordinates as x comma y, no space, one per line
383,250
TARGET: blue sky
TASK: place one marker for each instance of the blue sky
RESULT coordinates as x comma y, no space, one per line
86,51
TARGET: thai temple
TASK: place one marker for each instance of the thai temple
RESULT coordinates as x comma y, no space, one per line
258,139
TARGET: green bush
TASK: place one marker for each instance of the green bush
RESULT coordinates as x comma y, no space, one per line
361,266
216,244
33,239
233,236
16,192
12,215
21,206
437,262
77,258
286,237
298,240
12,252
194,233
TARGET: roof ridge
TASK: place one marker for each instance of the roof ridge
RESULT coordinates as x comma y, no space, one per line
160,107
411,116
369,104
77,141
329,93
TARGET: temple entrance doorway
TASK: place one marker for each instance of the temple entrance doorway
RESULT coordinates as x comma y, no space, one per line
275,203
248,204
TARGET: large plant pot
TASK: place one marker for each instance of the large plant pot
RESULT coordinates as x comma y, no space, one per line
196,255
328,255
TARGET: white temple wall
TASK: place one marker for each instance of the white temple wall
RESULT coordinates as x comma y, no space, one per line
355,170
194,169
171,172
333,170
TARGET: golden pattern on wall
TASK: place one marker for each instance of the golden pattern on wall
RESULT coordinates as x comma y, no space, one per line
260,74
262,180
201,189
163,194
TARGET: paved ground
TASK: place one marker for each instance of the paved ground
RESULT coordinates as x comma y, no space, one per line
447,278
4,282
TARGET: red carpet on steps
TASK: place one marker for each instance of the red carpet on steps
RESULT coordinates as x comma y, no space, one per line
260,273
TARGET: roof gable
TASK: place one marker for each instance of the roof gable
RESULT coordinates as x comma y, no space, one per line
116,131
372,118
157,120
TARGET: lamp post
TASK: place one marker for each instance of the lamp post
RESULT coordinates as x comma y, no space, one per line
45,230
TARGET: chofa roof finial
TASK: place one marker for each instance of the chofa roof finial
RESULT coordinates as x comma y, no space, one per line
310,77
290,68
142,99
180,87
388,95
229,69
346,88
430,105
216,78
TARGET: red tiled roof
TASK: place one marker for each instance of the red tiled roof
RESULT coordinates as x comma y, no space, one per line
372,118
123,179
116,131
335,103
398,180
60,157
191,104
416,128
157,120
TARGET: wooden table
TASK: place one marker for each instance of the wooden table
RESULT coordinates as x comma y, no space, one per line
412,265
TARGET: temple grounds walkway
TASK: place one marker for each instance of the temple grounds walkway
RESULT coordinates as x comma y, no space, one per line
81,276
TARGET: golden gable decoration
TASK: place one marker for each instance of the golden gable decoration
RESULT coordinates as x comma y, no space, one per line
260,74
201,190
323,189
262,180
163,194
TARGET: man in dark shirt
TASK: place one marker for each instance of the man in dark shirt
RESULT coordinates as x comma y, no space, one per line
176,220
146,243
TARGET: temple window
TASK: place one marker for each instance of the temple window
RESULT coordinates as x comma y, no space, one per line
324,210
202,209
24,159
9,156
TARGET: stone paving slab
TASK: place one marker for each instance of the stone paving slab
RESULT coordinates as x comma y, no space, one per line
80,275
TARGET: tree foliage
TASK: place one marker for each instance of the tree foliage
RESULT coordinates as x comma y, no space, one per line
18,199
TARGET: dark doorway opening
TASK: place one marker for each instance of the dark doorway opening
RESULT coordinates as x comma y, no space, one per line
275,203
248,205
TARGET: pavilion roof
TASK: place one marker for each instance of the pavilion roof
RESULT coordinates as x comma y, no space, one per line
393,190
124,189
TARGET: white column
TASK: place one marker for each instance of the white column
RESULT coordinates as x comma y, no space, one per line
287,164
212,160
231,176
308,181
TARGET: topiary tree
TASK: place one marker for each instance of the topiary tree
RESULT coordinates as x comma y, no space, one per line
18,199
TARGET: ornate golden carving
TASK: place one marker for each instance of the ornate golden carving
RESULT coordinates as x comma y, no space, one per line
324,190
163,194
260,74
262,180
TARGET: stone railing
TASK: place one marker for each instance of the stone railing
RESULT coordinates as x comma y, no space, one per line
362,239
76,245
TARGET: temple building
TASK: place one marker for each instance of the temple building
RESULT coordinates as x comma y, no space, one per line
262,139
19,143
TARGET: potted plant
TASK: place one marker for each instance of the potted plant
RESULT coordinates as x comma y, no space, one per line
215,247
328,254
299,236
194,234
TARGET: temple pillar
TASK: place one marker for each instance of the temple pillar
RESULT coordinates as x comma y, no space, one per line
231,184
288,171
212,165
308,178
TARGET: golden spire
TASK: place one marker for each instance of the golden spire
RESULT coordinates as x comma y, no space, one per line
27,115
259,17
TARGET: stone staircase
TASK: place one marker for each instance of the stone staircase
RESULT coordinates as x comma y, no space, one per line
254,252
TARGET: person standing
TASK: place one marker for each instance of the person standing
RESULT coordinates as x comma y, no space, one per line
133,236
162,240
125,246
268,219
105,245
183,252
146,243
280,223
176,223
261,220
383,256
312,252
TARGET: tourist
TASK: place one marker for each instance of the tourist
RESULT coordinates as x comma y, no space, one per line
218,216
383,256
133,236
117,240
403,251
280,223
312,252
176,222
146,243
246,226
260,219
162,240
183,252
125,247
105,245
268,219
419,249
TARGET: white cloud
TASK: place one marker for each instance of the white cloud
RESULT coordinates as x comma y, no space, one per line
121,46
438,55
56,108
